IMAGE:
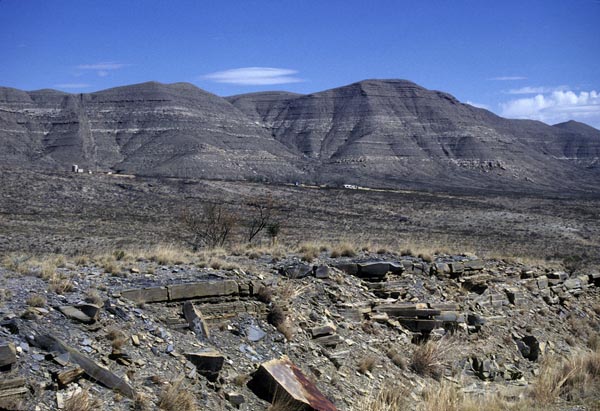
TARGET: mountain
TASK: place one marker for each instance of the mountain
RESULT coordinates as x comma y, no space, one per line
150,128
380,133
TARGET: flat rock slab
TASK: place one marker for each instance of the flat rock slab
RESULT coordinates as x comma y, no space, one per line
410,312
185,291
203,289
281,376
146,295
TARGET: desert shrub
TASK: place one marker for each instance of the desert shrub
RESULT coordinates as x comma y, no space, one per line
119,255
276,316
36,300
426,359
397,359
259,215
367,364
210,227
264,294
60,285
177,397
82,401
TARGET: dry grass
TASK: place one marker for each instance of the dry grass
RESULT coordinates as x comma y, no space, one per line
283,402
60,284
388,398
397,359
93,297
166,254
309,252
117,337
367,364
177,397
82,401
574,378
36,300
345,249
449,397
427,358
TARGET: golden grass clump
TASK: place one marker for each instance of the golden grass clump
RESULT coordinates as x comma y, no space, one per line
388,398
177,397
367,364
60,285
82,401
36,300
344,249
576,377
427,358
309,251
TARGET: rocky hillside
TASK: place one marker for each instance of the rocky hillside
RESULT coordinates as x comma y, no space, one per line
378,133
318,329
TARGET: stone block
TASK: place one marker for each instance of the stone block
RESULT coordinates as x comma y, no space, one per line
146,295
203,289
373,270
542,282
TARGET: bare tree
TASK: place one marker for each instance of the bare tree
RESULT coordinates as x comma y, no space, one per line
260,216
212,227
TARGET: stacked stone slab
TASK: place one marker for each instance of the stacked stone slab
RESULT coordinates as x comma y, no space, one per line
423,317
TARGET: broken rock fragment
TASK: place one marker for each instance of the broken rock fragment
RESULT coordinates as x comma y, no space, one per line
208,363
85,313
8,355
281,376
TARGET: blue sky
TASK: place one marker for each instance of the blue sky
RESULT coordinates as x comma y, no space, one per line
521,59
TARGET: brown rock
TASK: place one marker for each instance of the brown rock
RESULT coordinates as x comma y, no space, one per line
283,377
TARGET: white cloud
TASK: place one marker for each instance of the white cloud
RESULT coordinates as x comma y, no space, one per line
71,85
536,90
103,69
107,65
556,107
508,78
254,76
478,105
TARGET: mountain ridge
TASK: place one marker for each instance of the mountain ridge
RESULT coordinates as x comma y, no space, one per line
380,133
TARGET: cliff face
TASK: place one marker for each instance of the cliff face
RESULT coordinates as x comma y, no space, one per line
374,132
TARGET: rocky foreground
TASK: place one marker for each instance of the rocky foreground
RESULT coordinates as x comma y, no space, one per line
316,329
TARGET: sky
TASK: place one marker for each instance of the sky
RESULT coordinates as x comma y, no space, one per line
520,59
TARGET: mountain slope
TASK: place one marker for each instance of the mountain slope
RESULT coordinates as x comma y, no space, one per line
380,133
395,130
149,128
